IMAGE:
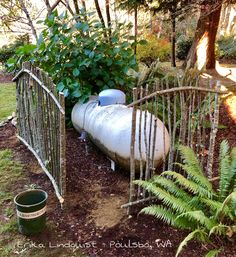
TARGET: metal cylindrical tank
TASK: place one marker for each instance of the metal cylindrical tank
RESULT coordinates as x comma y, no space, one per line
111,96
109,127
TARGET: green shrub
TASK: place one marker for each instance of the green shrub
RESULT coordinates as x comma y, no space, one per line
155,48
78,57
226,47
7,51
189,200
183,46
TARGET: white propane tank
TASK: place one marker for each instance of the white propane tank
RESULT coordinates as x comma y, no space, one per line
111,96
109,127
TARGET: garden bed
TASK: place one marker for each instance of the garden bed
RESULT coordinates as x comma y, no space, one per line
95,194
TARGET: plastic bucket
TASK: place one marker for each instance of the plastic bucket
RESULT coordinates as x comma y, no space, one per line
31,211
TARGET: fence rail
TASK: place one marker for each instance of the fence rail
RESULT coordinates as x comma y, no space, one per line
41,123
191,116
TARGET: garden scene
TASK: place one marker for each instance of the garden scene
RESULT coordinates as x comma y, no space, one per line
117,128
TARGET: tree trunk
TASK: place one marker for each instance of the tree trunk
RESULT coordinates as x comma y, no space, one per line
173,41
24,9
108,18
99,13
135,27
84,5
76,7
85,10
202,51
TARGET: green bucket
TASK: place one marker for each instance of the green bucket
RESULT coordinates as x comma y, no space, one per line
31,211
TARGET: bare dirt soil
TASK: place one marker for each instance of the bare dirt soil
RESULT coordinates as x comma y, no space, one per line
93,217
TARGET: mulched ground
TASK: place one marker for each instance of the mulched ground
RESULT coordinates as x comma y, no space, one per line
95,193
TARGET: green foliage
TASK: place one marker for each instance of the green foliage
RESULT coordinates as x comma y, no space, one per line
183,46
213,253
226,47
189,237
7,51
155,48
78,57
189,200
130,5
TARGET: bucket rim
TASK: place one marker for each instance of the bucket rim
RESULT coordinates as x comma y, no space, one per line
31,205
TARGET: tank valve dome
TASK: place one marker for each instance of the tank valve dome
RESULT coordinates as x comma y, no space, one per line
111,96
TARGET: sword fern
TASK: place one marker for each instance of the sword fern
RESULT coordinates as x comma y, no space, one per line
188,200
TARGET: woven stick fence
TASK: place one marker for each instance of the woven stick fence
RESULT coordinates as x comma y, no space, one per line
41,123
191,116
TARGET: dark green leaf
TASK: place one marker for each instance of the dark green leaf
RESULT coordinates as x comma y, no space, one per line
76,72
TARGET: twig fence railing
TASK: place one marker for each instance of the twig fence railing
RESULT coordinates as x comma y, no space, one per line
41,123
191,116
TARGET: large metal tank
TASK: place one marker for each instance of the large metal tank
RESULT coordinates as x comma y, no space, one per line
109,127
111,96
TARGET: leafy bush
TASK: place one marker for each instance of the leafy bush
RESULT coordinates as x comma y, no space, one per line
78,57
183,46
226,47
155,48
7,51
189,200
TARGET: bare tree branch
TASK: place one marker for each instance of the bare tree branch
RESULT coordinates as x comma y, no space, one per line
24,9
66,4
108,17
99,13
76,6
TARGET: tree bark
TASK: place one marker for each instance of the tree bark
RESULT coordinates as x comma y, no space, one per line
100,16
84,5
108,17
135,27
51,8
99,13
67,5
202,51
24,9
76,7
173,41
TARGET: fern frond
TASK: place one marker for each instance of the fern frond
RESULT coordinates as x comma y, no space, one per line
224,148
188,184
195,176
199,217
220,212
214,205
233,228
162,213
169,200
190,237
185,223
219,229
196,203
190,158
213,253
171,187
225,174
233,167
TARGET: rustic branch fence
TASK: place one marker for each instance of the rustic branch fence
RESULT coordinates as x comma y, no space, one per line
190,114
41,123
